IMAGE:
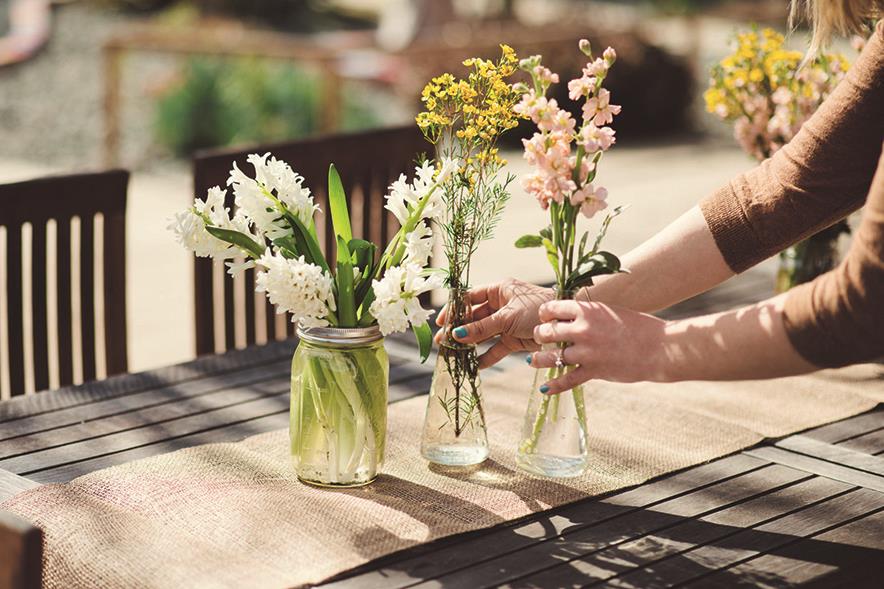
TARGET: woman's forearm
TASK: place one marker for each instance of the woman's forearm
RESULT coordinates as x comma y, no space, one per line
677,263
747,343
612,343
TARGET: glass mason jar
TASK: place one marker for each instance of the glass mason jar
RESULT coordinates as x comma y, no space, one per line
455,433
553,440
338,418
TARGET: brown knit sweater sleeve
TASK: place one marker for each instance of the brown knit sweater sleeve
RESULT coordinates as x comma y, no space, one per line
838,319
821,176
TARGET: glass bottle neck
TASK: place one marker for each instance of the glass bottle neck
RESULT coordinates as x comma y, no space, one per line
459,310
565,294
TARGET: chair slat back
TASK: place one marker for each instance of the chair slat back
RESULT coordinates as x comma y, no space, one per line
368,163
84,201
21,557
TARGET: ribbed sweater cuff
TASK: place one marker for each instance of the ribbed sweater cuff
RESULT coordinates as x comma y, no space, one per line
731,229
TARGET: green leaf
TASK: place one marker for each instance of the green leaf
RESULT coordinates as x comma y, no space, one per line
552,255
344,280
546,232
596,265
288,245
605,260
364,286
424,336
337,204
362,252
582,245
604,229
308,246
366,318
529,241
240,240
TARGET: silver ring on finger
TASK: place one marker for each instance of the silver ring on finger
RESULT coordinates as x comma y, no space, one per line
560,359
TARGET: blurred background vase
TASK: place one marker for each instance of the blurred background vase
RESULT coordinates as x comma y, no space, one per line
810,258
455,432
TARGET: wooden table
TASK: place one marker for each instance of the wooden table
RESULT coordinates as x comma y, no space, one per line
807,510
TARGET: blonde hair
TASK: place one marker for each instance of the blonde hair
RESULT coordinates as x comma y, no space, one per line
834,16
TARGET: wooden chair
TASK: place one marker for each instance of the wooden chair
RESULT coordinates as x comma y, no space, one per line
21,556
368,163
90,198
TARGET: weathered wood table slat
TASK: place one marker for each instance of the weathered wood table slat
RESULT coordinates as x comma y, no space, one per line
805,510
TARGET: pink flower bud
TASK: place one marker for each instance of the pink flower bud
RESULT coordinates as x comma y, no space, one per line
610,56
585,47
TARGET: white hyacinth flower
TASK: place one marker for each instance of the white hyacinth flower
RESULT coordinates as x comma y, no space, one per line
419,245
448,167
190,226
272,177
403,197
396,303
294,286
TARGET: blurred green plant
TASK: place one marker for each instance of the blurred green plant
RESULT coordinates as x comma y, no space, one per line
216,103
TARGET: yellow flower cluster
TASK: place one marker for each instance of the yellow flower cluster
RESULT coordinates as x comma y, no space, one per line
760,66
473,112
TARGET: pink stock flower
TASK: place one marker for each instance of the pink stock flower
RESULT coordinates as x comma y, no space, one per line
544,112
545,75
599,109
594,138
593,200
586,166
580,87
596,68
529,104
548,152
547,188
560,121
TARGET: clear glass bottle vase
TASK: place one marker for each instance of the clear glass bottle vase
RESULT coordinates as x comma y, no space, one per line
553,440
338,416
455,432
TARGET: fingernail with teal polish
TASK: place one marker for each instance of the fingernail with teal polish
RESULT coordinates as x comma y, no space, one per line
528,359
544,388
460,332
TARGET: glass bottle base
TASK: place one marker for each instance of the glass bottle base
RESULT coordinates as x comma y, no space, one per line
454,455
546,465
337,485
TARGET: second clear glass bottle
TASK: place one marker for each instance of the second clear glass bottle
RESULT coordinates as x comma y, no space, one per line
455,432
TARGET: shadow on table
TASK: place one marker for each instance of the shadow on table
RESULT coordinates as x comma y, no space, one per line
651,548
444,514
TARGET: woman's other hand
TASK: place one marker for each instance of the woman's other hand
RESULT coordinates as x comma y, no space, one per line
605,342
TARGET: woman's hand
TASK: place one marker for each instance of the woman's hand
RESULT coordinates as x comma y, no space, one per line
620,345
506,310
606,342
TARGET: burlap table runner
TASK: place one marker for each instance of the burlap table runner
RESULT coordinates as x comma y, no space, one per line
225,515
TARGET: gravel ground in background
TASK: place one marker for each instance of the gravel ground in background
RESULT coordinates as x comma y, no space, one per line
50,105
